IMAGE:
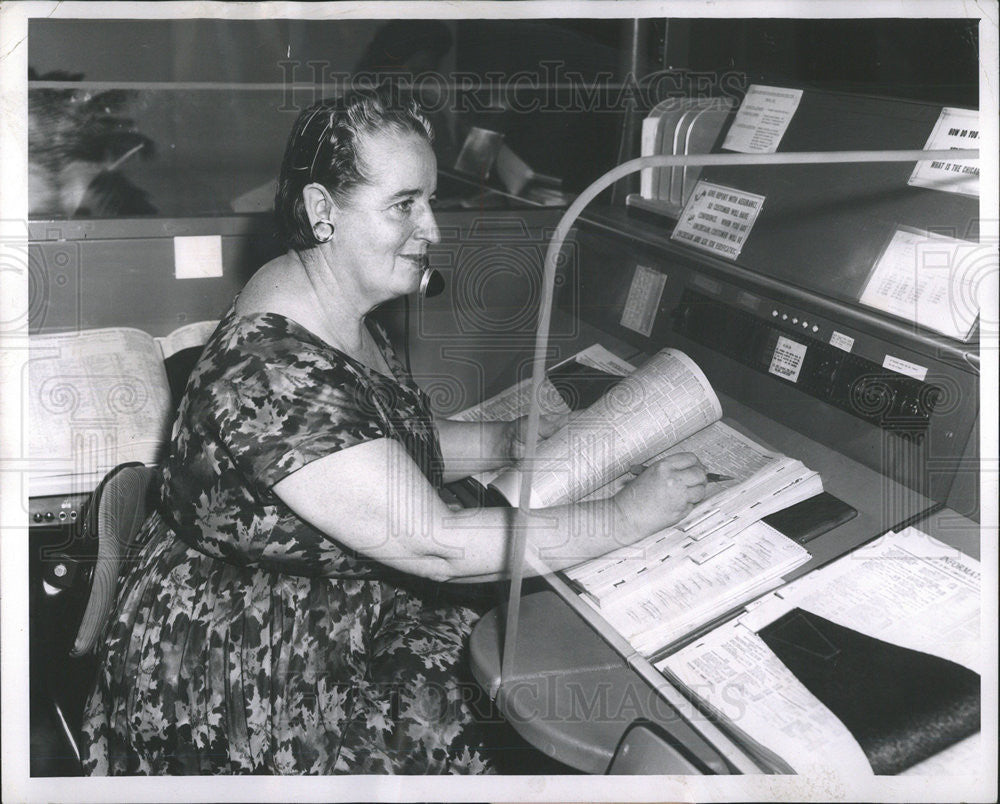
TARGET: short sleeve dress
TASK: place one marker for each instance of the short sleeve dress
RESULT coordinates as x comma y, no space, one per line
246,641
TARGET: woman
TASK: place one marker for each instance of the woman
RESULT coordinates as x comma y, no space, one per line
287,614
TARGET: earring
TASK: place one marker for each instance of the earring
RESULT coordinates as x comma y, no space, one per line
323,231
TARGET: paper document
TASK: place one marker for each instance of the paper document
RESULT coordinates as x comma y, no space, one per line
683,591
718,219
930,280
710,528
736,675
596,356
721,450
954,129
96,399
906,589
643,301
762,119
514,401
665,400
196,334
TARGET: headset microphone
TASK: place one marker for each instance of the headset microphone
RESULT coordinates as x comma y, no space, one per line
431,282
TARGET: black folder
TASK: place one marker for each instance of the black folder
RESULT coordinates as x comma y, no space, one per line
901,705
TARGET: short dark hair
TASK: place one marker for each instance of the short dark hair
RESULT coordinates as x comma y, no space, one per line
323,148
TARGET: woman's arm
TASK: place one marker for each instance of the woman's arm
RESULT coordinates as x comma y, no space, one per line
373,498
471,447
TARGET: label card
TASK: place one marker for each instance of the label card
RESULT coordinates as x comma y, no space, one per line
198,257
643,300
930,280
955,128
762,119
905,367
718,219
841,341
787,359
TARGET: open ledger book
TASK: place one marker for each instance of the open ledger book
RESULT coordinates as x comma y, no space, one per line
658,590
98,398
644,417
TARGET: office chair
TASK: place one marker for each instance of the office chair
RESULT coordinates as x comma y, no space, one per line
116,511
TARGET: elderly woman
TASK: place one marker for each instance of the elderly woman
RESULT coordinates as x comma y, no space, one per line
289,612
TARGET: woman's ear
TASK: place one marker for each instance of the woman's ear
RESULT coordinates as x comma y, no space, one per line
318,203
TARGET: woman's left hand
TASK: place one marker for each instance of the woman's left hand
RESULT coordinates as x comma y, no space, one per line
516,433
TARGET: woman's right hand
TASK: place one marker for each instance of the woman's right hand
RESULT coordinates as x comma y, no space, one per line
662,494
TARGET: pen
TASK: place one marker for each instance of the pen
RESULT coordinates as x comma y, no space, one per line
711,477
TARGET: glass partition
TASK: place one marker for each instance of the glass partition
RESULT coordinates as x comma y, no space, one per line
188,118
121,153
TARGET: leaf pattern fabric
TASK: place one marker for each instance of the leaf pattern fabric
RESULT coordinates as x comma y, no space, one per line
245,640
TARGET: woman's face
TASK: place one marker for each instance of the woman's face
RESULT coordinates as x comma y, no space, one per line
383,228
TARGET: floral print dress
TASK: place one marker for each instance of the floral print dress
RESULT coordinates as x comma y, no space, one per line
245,640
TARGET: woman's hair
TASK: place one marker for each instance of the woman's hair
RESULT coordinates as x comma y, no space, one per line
324,147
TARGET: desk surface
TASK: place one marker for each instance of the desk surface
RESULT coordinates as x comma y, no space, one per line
574,696
576,691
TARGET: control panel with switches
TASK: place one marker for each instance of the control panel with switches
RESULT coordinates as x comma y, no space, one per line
63,509
784,347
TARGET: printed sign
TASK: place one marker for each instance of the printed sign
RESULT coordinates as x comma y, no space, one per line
643,300
955,128
718,219
930,280
762,119
901,366
787,359
841,341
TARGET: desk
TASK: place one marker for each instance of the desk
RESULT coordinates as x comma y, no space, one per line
574,694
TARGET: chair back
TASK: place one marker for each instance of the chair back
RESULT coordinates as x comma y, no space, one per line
116,512
648,749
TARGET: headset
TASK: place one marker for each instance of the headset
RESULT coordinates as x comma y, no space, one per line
431,282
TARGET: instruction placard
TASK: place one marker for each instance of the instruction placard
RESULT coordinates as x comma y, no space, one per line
762,119
841,341
718,219
643,300
901,366
955,128
787,359
930,280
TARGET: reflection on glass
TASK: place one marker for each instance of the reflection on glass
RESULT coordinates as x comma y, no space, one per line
181,118
79,142
96,152
115,153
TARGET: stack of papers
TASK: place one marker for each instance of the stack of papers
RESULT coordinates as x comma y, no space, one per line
698,582
906,589
717,558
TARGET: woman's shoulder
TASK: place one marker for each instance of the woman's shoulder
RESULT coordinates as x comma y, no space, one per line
264,307
276,302
259,336
270,289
